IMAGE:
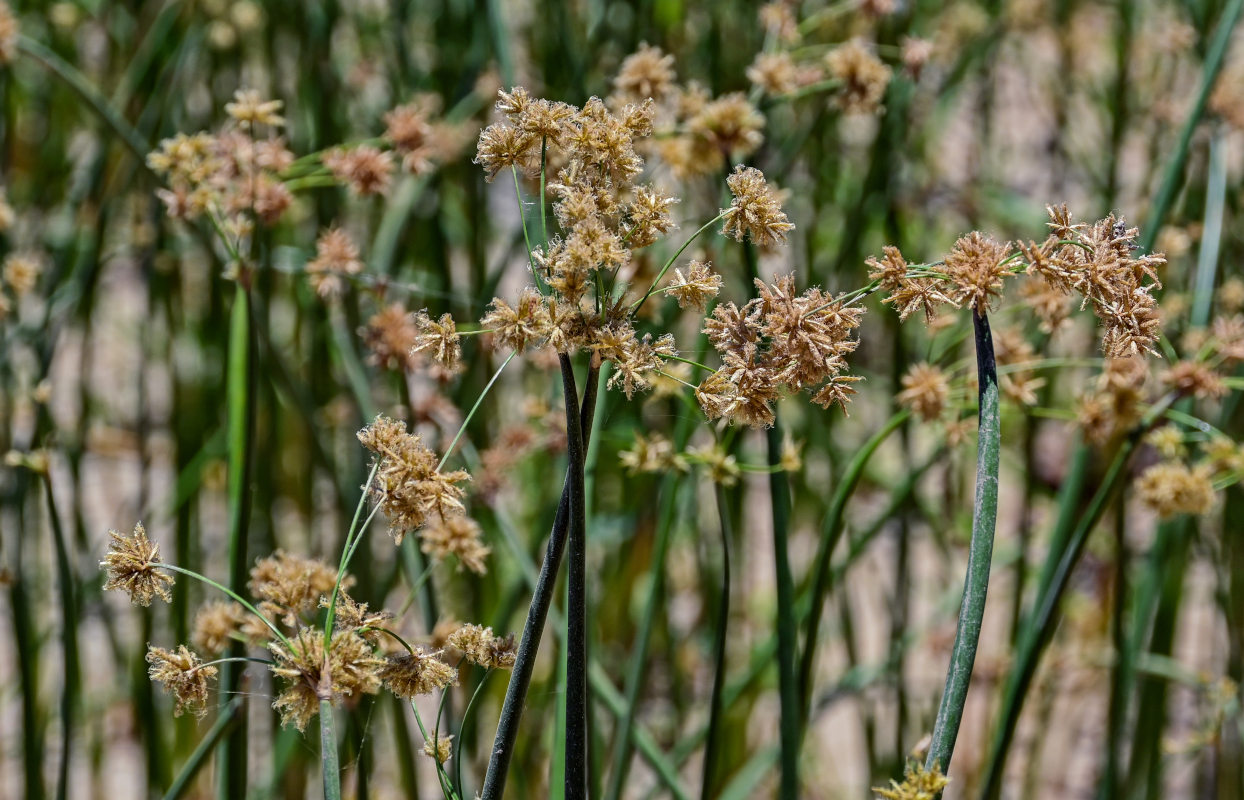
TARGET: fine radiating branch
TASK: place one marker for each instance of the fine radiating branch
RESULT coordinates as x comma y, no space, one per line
980,552
533,629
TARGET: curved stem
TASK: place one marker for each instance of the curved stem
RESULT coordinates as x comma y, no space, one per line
638,304
470,414
466,715
980,552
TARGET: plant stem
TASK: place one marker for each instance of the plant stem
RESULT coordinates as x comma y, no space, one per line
69,640
240,404
711,745
225,720
533,628
330,766
576,611
980,553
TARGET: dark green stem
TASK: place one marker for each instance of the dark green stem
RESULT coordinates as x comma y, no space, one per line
330,766
576,610
533,629
980,553
711,745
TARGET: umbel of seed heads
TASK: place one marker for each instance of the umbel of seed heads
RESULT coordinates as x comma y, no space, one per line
1098,262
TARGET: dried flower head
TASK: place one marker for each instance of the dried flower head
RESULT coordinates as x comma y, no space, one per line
653,453
347,669
351,615
390,337
289,585
133,566
21,272
438,747
729,126
926,390
864,78
408,485
503,146
1196,379
1168,440
249,107
184,676
646,73
976,269
723,468
410,674
918,784
458,535
216,624
696,288
482,647
367,170
440,339
756,210
774,73
1172,487
523,325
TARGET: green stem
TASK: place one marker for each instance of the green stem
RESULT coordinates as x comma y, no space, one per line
347,551
471,414
69,639
466,715
712,754
189,573
225,720
240,405
330,766
980,552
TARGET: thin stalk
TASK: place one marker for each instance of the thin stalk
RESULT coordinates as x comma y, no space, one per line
831,532
189,573
69,640
576,610
346,552
980,553
708,783
1040,623
669,263
466,715
788,640
330,766
533,628
225,720
240,404
471,414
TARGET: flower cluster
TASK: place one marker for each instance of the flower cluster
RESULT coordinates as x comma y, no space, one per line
231,175
1098,262
781,339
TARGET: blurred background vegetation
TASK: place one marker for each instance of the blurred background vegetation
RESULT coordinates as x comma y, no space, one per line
113,367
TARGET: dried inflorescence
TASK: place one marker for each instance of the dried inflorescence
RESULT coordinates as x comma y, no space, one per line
216,624
133,566
366,169
1116,403
918,784
864,77
756,210
1096,261
289,586
336,259
457,535
409,486
482,647
926,390
346,669
417,672
696,288
1172,487
230,175
438,747
653,453
780,339
184,676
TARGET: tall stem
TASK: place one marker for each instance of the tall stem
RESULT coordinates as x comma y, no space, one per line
711,749
576,611
231,760
980,552
330,765
533,629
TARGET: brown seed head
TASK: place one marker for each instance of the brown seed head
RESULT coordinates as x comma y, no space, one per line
184,676
133,567
409,675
